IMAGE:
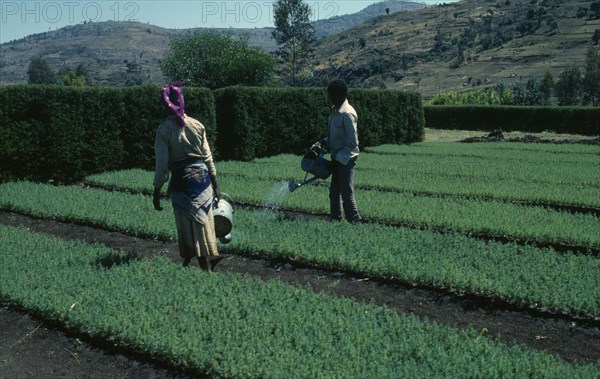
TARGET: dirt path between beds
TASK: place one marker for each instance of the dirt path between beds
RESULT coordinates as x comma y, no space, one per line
32,347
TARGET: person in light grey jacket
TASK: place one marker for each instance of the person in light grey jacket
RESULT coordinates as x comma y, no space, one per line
342,143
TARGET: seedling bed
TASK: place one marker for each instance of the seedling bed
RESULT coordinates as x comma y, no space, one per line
571,340
295,214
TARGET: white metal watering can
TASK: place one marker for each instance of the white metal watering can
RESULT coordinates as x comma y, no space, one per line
223,217
313,163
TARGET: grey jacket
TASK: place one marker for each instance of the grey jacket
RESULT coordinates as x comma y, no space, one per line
342,135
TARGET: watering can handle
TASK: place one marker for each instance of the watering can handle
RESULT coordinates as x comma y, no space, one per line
223,194
317,148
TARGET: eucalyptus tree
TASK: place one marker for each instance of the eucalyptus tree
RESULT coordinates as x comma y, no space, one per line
294,34
591,78
569,87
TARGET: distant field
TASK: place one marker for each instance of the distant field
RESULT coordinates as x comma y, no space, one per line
437,135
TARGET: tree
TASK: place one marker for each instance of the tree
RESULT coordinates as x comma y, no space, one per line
209,59
439,45
40,72
525,27
551,22
70,77
591,79
519,92
547,88
595,9
294,35
533,95
568,87
503,93
596,37
81,70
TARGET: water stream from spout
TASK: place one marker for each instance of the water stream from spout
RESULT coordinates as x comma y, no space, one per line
274,200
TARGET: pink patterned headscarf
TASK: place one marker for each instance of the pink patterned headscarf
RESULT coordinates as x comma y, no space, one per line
172,96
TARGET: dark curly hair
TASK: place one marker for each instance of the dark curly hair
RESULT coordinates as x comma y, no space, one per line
338,87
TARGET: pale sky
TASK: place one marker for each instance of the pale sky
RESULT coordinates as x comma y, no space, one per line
20,18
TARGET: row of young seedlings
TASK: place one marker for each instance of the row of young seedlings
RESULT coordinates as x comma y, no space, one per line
225,325
552,174
557,282
572,183
495,219
403,179
558,169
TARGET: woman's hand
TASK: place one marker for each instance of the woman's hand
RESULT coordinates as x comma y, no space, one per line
216,189
217,192
156,199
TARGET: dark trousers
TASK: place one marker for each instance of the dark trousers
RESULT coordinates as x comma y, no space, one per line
341,192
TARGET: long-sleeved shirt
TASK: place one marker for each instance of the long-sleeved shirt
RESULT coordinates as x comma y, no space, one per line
174,143
342,136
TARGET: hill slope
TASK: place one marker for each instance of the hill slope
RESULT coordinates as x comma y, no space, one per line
115,53
460,45
450,47
120,53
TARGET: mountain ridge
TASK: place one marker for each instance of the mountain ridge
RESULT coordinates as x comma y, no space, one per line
127,52
452,46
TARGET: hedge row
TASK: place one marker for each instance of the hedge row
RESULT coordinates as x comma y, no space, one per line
568,120
66,133
259,122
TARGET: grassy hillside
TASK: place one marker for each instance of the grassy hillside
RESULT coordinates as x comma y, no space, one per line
460,45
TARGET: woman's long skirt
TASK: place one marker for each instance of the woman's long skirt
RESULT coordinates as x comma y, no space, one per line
195,239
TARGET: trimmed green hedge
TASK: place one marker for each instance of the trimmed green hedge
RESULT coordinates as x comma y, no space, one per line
66,133
568,120
259,122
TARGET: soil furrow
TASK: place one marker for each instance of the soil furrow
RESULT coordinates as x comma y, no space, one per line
34,347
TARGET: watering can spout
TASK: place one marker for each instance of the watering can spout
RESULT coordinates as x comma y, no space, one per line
292,186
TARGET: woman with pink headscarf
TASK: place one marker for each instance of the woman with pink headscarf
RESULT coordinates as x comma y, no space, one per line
183,154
